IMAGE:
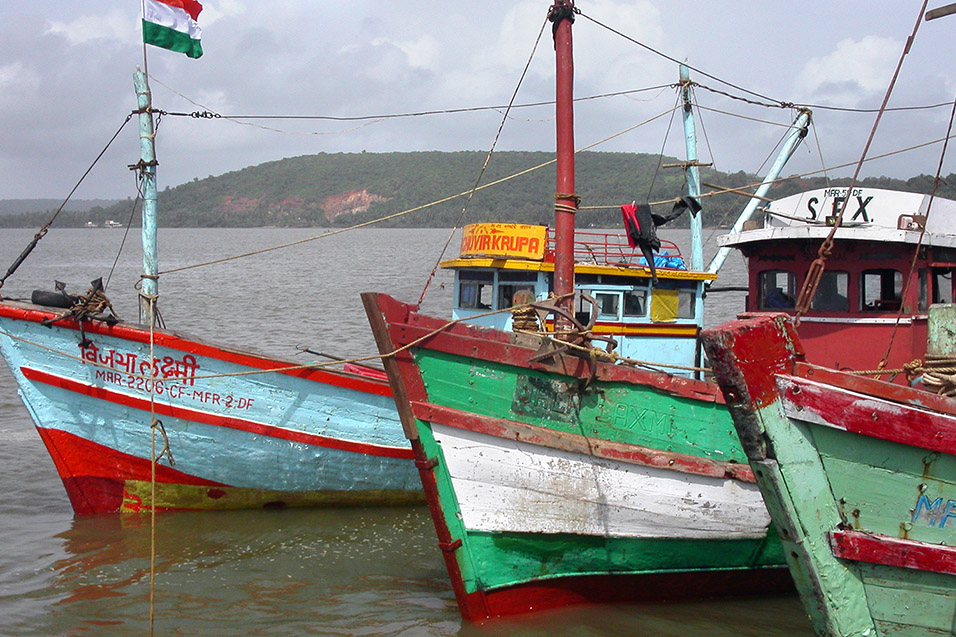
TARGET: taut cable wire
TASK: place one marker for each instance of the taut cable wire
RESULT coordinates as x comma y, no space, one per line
919,243
815,272
484,166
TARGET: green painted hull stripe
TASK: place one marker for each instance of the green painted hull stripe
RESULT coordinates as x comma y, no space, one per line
613,411
507,559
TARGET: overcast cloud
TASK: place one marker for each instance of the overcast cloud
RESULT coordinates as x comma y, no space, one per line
66,67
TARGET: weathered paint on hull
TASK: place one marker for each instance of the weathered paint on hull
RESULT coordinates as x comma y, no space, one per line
281,438
860,477
547,488
99,479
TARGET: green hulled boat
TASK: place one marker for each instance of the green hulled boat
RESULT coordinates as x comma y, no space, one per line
555,474
859,476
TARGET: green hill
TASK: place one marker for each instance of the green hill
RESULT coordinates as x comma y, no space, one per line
343,189
20,206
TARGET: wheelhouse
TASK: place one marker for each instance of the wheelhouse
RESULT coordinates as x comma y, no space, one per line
892,258
657,323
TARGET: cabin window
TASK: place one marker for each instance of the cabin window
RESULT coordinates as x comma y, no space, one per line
686,303
881,290
671,300
777,289
942,285
475,289
635,303
922,305
831,294
607,305
510,283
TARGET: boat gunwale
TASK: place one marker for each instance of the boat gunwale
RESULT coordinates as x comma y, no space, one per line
517,349
179,341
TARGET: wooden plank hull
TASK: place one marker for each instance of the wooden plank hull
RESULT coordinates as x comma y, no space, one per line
549,484
238,434
859,476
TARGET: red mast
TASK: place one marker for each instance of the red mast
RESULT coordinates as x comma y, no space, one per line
566,201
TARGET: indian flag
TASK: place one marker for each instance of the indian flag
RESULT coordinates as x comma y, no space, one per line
171,24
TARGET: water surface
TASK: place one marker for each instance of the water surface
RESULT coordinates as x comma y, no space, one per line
367,571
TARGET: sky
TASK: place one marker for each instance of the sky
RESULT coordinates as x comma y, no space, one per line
66,83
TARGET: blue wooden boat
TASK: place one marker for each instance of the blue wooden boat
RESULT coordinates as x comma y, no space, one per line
135,416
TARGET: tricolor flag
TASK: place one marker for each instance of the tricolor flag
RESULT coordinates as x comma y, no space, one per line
171,24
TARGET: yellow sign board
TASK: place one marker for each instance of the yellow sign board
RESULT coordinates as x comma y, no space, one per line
512,240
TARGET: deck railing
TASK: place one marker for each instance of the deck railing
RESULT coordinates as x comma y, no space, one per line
604,248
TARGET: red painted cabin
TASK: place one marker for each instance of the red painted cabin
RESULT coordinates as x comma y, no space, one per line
870,274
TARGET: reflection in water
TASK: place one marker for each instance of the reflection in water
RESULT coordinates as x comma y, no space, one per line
342,569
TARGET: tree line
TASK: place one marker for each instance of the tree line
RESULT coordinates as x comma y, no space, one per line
343,189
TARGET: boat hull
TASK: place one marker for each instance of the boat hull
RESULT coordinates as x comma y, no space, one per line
234,429
859,476
551,485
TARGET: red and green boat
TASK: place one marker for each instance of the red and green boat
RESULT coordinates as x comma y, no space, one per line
859,476
555,475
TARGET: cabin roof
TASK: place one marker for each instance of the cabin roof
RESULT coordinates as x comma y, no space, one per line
859,233
871,214
636,271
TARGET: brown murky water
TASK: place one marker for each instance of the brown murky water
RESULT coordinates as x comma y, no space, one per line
324,572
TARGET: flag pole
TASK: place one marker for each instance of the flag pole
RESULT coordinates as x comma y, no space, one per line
142,17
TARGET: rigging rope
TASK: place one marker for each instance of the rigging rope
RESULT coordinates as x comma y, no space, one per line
414,209
815,273
129,223
484,166
209,114
42,231
919,242
660,155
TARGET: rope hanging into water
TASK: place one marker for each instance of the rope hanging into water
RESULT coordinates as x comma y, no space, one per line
152,459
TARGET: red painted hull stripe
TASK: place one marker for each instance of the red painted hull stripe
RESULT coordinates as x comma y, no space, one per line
543,437
137,334
877,388
890,551
604,589
193,415
77,457
870,416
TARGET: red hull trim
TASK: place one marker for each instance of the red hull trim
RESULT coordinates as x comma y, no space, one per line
605,589
575,443
95,475
877,388
871,416
890,551
137,334
207,418
405,326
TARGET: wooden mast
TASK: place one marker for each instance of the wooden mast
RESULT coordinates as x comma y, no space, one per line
566,201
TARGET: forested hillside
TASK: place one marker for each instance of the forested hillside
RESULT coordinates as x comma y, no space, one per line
345,189
20,206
